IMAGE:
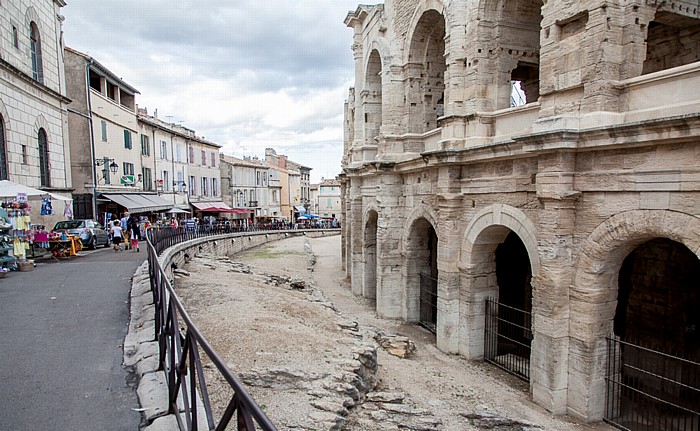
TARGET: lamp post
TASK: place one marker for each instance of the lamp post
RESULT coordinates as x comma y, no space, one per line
109,165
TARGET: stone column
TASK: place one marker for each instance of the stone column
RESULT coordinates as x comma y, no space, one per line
550,299
449,279
356,235
389,234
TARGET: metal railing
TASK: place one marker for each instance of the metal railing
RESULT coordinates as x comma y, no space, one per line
507,338
180,350
647,389
428,302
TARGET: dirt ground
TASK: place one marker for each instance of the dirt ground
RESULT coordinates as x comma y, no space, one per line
298,350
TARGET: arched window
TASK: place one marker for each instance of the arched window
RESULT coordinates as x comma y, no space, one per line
44,159
35,42
3,153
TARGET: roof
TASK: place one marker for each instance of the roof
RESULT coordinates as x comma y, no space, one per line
96,65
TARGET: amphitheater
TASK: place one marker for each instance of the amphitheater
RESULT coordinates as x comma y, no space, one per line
522,179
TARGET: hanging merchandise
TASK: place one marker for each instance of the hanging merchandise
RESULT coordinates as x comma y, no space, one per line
68,211
46,208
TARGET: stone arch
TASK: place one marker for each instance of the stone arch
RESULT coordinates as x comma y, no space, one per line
593,296
602,253
477,265
502,215
371,97
30,16
370,249
382,47
419,247
426,66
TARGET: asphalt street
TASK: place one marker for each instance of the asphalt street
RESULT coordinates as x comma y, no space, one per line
63,325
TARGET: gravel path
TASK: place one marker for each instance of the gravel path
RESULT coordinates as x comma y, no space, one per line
284,318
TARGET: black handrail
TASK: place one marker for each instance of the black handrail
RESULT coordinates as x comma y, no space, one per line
179,353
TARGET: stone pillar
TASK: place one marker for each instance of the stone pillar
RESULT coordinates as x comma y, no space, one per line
389,234
449,244
550,299
356,235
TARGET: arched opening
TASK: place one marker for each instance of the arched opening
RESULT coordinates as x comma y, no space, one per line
515,27
3,152
672,40
35,49
372,98
422,280
426,73
369,289
655,373
44,173
508,334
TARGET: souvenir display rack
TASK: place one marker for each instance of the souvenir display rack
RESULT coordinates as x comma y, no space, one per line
7,258
17,233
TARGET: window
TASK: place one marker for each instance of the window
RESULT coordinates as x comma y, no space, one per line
214,187
3,153
191,156
204,186
204,158
103,123
25,157
178,157
15,37
166,181
127,139
128,168
163,150
145,146
193,185
257,179
44,173
146,178
213,160
35,47
275,199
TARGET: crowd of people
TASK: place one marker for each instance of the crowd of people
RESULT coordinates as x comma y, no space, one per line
130,229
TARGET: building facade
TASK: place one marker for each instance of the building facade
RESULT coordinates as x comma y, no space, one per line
543,156
244,185
107,159
328,202
34,148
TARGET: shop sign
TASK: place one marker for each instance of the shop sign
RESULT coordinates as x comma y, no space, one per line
126,180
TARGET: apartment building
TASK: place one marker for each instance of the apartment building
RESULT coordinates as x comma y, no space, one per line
244,185
108,159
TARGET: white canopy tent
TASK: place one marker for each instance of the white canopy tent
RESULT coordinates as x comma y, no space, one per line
9,189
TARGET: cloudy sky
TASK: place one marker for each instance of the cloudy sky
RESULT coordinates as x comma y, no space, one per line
247,74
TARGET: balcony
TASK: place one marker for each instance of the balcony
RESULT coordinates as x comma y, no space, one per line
253,204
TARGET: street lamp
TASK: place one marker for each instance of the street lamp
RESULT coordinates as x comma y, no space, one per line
182,184
109,165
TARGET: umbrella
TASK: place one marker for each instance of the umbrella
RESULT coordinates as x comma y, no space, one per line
176,210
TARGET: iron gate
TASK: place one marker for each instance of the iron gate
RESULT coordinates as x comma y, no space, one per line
650,390
428,302
507,338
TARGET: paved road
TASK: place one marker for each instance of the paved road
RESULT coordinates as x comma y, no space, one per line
62,326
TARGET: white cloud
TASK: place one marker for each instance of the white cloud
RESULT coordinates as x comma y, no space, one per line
245,74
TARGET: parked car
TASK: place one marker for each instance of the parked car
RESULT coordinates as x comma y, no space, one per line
90,232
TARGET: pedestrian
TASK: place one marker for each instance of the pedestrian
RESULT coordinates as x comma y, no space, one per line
134,232
117,236
125,230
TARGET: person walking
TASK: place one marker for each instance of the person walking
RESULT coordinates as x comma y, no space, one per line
117,236
134,232
125,230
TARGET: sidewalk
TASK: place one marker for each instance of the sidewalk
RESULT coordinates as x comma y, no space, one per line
61,352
